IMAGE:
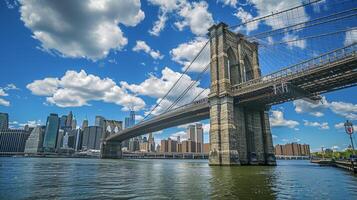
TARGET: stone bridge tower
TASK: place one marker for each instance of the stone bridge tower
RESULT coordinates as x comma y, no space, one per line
239,134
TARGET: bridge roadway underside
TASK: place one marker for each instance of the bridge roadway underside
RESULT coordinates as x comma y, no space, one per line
319,80
193,113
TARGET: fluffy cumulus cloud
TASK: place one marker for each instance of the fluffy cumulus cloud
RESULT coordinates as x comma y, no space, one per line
142,46
344,109
194,15
182,134
302,106
321,126
232,3
3,93
266,7
277,120
78,88
80,29
157,87
294,41
186,52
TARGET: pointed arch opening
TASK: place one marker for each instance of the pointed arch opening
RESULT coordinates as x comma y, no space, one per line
248,69
234,72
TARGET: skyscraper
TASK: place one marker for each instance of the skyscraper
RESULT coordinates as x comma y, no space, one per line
69,119
13,140
99,121
74,123
92,137
34,143
195,134
51,133
4,121
85,123
63,121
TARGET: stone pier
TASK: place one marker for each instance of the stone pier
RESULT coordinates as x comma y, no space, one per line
239,135
110,149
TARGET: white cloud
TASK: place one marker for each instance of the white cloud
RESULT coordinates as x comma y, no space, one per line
186,52
11,86
274,136
157,87
80,29
245,16
142,46
302,106
192,14
4,102
298,43
232,3
351,37
3,93
344,109
347,110
31,123
159,25
321,126
277,120
78,88
182,134
196,16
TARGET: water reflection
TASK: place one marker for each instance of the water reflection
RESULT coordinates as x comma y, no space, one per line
243,182
51,178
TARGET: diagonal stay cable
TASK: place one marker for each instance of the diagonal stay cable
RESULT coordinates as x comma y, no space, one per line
189,87
186,70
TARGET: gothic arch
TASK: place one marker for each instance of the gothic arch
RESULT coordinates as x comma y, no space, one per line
233,66
248,69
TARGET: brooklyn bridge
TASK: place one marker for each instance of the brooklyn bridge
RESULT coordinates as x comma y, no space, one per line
240,96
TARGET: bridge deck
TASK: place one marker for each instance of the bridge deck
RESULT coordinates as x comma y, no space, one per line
328,72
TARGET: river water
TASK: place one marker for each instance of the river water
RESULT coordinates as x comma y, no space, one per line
69,178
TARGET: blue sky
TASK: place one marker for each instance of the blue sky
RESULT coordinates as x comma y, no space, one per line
96,58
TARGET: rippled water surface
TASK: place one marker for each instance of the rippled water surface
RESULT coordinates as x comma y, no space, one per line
67,178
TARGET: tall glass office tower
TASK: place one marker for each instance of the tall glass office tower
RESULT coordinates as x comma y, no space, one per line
4,121
51,133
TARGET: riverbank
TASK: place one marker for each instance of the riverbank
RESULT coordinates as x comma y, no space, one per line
343,164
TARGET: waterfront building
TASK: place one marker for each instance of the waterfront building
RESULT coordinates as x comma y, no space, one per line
74,123
188,146
85,123
13,140
60,136
63,121
158,148
151,142
78,139
65,141
206,148
171,145
69,119
34,143
92,136
164,147
144,147
195,133
134,145
292,149
179,147
51,133
4,121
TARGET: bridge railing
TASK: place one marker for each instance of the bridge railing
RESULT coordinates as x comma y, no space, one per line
333,56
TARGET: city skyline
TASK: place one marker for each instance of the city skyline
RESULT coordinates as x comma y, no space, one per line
144,57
